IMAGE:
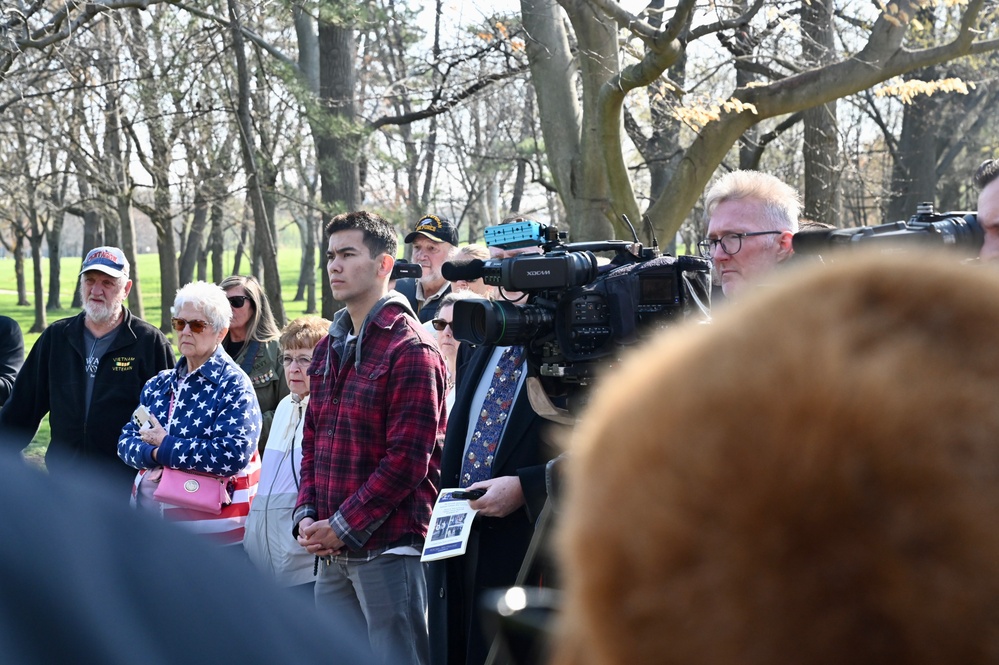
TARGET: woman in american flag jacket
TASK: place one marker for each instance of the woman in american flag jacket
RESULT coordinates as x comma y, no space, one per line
204,418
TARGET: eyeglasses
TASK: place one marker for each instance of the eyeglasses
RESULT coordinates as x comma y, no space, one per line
440,324
196,326
237,301
303,361
730,243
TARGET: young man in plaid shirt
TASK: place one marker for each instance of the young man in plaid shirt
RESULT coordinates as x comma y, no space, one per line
371,447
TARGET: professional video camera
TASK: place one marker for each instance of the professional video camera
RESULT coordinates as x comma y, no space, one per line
957,230
579,314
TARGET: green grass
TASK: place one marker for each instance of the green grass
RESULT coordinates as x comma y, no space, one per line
147,270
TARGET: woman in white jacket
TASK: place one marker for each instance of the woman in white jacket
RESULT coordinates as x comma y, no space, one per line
268,540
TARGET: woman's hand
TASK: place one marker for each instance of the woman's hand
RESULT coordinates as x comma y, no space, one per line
154,434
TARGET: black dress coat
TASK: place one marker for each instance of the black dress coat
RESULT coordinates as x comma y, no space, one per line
496,546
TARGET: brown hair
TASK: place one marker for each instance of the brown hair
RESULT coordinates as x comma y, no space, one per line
304,332
812,478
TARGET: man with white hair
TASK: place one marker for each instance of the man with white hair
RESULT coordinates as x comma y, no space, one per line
434,241
752,217
86,373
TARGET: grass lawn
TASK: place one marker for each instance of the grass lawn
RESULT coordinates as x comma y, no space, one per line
149,282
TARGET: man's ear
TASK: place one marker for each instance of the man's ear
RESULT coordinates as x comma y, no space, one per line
128,287
385,265
785,246
222,334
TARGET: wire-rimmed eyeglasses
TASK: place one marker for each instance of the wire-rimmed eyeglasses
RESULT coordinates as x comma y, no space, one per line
730,243
302,361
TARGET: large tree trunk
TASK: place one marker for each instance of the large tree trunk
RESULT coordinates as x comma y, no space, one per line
336,145
554,75
822,201
914,172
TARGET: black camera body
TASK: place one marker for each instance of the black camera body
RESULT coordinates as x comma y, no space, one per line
403,269
579,315
959,231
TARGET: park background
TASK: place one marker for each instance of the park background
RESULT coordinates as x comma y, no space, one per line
190,134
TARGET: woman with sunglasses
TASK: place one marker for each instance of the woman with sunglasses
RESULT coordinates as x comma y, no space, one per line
203,417
253,343
449,346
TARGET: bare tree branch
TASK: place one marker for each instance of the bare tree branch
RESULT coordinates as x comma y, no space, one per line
437,108
16,36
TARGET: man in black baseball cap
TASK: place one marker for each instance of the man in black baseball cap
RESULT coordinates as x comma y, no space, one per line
434,241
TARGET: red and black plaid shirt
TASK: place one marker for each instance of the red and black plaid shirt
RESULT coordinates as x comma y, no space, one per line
373,435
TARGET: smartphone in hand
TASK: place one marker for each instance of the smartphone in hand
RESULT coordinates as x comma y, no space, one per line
141,417
471,495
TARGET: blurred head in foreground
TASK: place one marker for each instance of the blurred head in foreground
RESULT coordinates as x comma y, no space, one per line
812,478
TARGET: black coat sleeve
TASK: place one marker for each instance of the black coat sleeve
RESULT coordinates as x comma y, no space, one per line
11,355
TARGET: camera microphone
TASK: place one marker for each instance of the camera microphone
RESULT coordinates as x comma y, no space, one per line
467,272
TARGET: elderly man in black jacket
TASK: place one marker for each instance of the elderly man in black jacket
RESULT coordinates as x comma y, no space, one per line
86,373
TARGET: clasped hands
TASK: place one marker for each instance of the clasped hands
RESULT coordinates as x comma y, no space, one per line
319,538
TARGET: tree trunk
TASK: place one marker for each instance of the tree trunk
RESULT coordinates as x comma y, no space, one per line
35,241
167,244
54,300
22,287
603,186
264,234
914,174
336,144
192,253
237,258
822,200
216,243
128,246
554,74
93,236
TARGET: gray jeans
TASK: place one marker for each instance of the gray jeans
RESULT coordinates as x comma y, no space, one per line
388,596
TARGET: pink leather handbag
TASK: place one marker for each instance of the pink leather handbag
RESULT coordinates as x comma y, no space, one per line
197,491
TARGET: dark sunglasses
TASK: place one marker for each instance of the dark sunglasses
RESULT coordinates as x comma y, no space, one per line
440,324
237,301
196,326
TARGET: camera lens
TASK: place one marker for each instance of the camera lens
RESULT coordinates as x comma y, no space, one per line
479,321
